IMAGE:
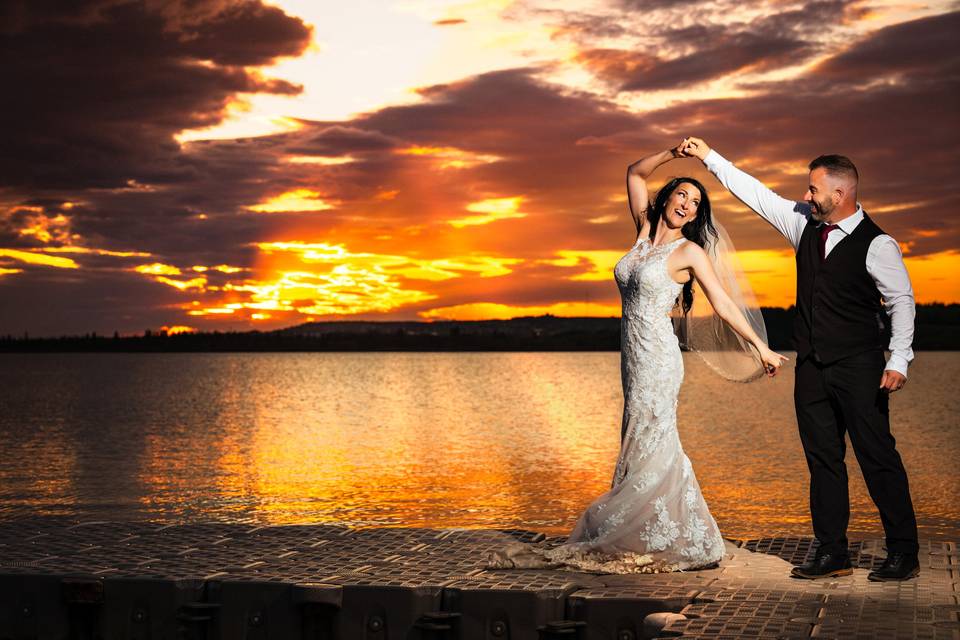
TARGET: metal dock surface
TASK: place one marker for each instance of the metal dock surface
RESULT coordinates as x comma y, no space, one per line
61,578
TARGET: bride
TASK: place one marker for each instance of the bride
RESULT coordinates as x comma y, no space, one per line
654,518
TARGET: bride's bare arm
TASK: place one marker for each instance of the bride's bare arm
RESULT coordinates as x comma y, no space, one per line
637,193
705,274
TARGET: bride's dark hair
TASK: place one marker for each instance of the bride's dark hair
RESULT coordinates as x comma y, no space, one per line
699,230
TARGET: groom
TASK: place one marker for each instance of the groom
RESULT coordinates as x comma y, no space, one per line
845,265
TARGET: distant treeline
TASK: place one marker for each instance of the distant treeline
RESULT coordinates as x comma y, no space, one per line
937,328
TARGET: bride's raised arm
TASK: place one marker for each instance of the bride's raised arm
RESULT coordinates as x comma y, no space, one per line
726,308
637,193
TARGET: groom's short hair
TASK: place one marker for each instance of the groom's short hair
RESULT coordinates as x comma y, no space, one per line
837,166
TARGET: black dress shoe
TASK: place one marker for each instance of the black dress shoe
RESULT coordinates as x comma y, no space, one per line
826,565
897,566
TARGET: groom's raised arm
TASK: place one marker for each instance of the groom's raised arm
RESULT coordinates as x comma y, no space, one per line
789,217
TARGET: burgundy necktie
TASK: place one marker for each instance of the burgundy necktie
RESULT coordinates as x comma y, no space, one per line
824,232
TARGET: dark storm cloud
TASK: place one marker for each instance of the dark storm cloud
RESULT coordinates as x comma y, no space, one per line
505,112
584,27
652,5
917,51
203,219
59,301
724,55
100,89
246,34
93,96
680,44
94,93
878,103
807,18
674,11
338,140
708,50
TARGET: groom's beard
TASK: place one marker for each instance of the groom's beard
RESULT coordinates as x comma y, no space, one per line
818,211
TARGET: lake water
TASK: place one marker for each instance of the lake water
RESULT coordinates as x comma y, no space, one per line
420,439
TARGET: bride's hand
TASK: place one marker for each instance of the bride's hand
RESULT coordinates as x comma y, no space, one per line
772,361
679,151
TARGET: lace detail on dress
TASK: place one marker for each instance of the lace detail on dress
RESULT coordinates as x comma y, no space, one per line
653,518
662,532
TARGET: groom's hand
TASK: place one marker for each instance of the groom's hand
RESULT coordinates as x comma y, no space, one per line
695,148
892,381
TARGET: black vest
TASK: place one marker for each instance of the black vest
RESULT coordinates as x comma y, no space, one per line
838,303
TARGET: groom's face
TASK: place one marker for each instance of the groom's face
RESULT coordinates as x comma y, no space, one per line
819,195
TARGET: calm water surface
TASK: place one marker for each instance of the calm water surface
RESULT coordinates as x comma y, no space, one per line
419,439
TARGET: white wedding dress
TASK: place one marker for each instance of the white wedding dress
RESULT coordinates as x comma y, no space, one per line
654,518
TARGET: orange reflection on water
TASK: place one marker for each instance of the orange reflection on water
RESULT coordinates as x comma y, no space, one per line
398,462
467,440
398,458
46,468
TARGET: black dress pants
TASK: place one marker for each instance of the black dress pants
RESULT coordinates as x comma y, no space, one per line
845,397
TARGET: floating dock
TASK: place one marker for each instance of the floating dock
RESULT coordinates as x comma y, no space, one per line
61,579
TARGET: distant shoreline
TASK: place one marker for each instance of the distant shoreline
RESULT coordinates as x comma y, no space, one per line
937,329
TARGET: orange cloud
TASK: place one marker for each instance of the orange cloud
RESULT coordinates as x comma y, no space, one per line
98,252
161,273
183,285
44,228
601,263
496,311
157,269
493,209
222,268
298,200
319,160
391,265
295,279
35,257
449,157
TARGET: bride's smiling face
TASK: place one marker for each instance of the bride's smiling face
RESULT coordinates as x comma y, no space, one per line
682,205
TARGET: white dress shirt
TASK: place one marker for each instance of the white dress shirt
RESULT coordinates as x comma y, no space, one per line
884,260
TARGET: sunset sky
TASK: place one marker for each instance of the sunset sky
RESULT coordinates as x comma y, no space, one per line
213,164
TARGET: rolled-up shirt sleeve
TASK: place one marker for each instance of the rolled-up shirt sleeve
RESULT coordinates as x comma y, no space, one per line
885,265
789,217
